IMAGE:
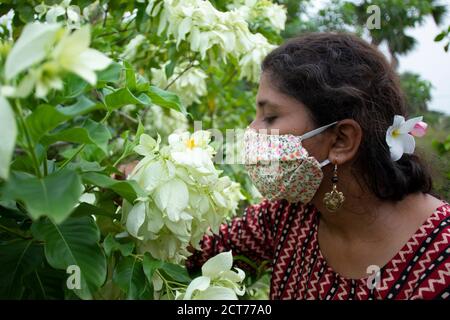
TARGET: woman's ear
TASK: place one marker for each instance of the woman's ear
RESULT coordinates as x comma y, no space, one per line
348,136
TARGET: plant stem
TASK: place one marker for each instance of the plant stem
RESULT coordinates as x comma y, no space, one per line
81,147
14,232
29,141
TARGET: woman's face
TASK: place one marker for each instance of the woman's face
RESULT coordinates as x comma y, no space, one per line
276,110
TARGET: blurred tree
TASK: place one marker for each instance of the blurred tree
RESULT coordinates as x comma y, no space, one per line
396,17
417,91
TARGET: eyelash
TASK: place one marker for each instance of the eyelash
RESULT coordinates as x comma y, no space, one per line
270,120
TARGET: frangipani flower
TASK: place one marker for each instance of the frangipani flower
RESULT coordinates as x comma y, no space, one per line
419,129
217,282
399,137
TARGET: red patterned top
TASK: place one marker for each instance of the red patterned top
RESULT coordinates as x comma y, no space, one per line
286,234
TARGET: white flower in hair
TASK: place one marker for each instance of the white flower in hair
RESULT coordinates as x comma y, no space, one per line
400,136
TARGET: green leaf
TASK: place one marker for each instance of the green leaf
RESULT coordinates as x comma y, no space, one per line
176,272
73,86
74,242
8,132
111,244
91,133
85,166
173,271
86,209
150,265
47,117
82,106
17,259
45,283
110,74
128,189
130,76
130,277
129,146
166,99
439,37
123,97
54,196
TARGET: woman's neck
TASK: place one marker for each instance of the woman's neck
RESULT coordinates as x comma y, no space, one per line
368,218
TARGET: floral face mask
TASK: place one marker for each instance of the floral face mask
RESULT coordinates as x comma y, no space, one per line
280,167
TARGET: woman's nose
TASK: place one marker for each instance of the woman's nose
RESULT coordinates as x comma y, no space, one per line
256,125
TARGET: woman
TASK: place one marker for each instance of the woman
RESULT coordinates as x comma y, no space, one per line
348,200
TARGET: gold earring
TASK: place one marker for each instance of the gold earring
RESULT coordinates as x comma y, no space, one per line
333,200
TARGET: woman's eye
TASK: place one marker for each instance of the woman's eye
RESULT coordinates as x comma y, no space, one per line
270,120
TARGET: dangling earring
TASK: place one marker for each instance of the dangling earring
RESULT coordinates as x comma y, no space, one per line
333,200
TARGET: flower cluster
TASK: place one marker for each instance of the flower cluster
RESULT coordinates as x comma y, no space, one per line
70,13
190,82
204,28
164,121
185,195
217,282
44,52
262,13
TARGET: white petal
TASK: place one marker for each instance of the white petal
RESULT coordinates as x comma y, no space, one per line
83,72
95,60
8,132
135,219
409,125
199,283
396,149
408,143
30,48
157,282
217,293
54,13
221,262
173,197
398,121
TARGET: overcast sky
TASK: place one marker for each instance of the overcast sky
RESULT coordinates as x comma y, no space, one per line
427,59
431,61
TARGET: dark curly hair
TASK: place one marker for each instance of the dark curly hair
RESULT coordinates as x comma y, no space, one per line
338,76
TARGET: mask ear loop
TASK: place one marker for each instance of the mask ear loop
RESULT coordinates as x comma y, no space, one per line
317,131
324,163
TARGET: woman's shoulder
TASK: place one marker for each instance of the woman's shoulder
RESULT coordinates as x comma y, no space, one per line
430,257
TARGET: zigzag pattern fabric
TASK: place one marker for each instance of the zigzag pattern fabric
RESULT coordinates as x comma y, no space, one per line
286,234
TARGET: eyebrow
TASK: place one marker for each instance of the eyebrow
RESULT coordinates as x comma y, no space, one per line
263,103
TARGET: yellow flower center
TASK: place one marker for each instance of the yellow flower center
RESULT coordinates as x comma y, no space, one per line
395,133
191,143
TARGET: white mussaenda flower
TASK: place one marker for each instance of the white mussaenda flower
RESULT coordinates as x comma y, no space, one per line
72,13
32,47
399,137
73,54
131,48
250,62
217,282
262,11
45,52
205,28
164,121
185,195
190,84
